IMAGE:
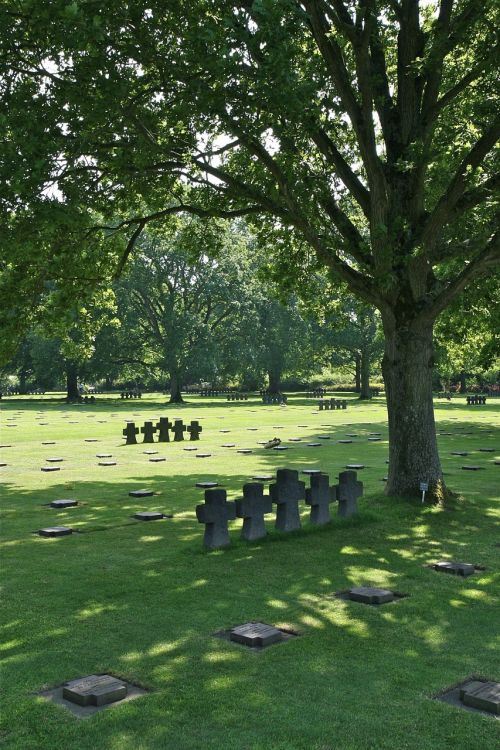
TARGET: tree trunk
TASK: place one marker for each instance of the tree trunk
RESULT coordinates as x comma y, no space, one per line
72,393
175,389
274,376
22,383
357,362
463,382
365,392
108,383
407,367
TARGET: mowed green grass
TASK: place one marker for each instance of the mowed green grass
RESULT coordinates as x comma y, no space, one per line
143,600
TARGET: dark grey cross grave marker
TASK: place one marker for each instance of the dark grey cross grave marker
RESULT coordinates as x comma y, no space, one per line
141,493
255,634
286,493
215,514
51,468
252,507
455,568
319,496
95,690
347,492
194,430
482,695
370,595
164,425
148,430
179,430
54,531
130,433
148,515
63,503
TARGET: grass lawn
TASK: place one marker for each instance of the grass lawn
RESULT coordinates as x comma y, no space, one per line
143,600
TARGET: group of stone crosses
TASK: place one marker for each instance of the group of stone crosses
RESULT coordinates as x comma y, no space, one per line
285,493
163,427
130,394
237,396
274,398
329,404
474,400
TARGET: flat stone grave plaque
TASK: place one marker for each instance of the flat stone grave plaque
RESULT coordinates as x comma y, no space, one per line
345,441
46,442
148,515
107,463
63,503
374,439
245,451
91,440
1,465
472,468
313,445
157,460
255,634
252,429
10,446
189,448
486,450
150,453
224,430
355,467
302,425
455,568
50,468
459,453
474,694
295,440
141,493
228,445
54,460
95,690
370,595
203,455
375,434
277,426
53,531
351,434
206,485
280,448
482,695
263,477
310,472
103,455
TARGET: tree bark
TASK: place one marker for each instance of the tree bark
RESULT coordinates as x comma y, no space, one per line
274,376
407,368
22,383
357,363
365,392
463,382
175,389
72,393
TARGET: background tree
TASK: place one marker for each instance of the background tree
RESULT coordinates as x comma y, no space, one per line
365,130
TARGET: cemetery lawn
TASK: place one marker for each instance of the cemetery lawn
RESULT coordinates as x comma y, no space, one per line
142,601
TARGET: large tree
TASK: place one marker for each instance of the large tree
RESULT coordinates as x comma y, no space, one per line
361,131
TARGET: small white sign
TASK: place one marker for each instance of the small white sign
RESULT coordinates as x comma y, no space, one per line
424,486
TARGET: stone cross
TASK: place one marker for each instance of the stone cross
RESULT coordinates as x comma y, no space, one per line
130,433
163,427
179,430
252,507
194,430
347,492
286,493
148,431
319,496
215,513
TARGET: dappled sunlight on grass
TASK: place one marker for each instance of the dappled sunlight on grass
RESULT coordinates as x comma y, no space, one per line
312,622
95,609
214,657
277,604
150,539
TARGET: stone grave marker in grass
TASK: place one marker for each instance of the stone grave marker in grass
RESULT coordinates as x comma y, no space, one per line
344,441
189,449
319,496
50,468
157,460
54,460
55,531
203,455
370,595
149,515
103,455
355,467
107,463
459,453
244,451
63,503
347,493
475,695
163,426
179,430
228,445
472,468
150,453
95,690
141,493
286,493
252,507
313,445
486,450
130,432
148,430
455,568
263,477
255,634
206,485
215,514
194,430
92,440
